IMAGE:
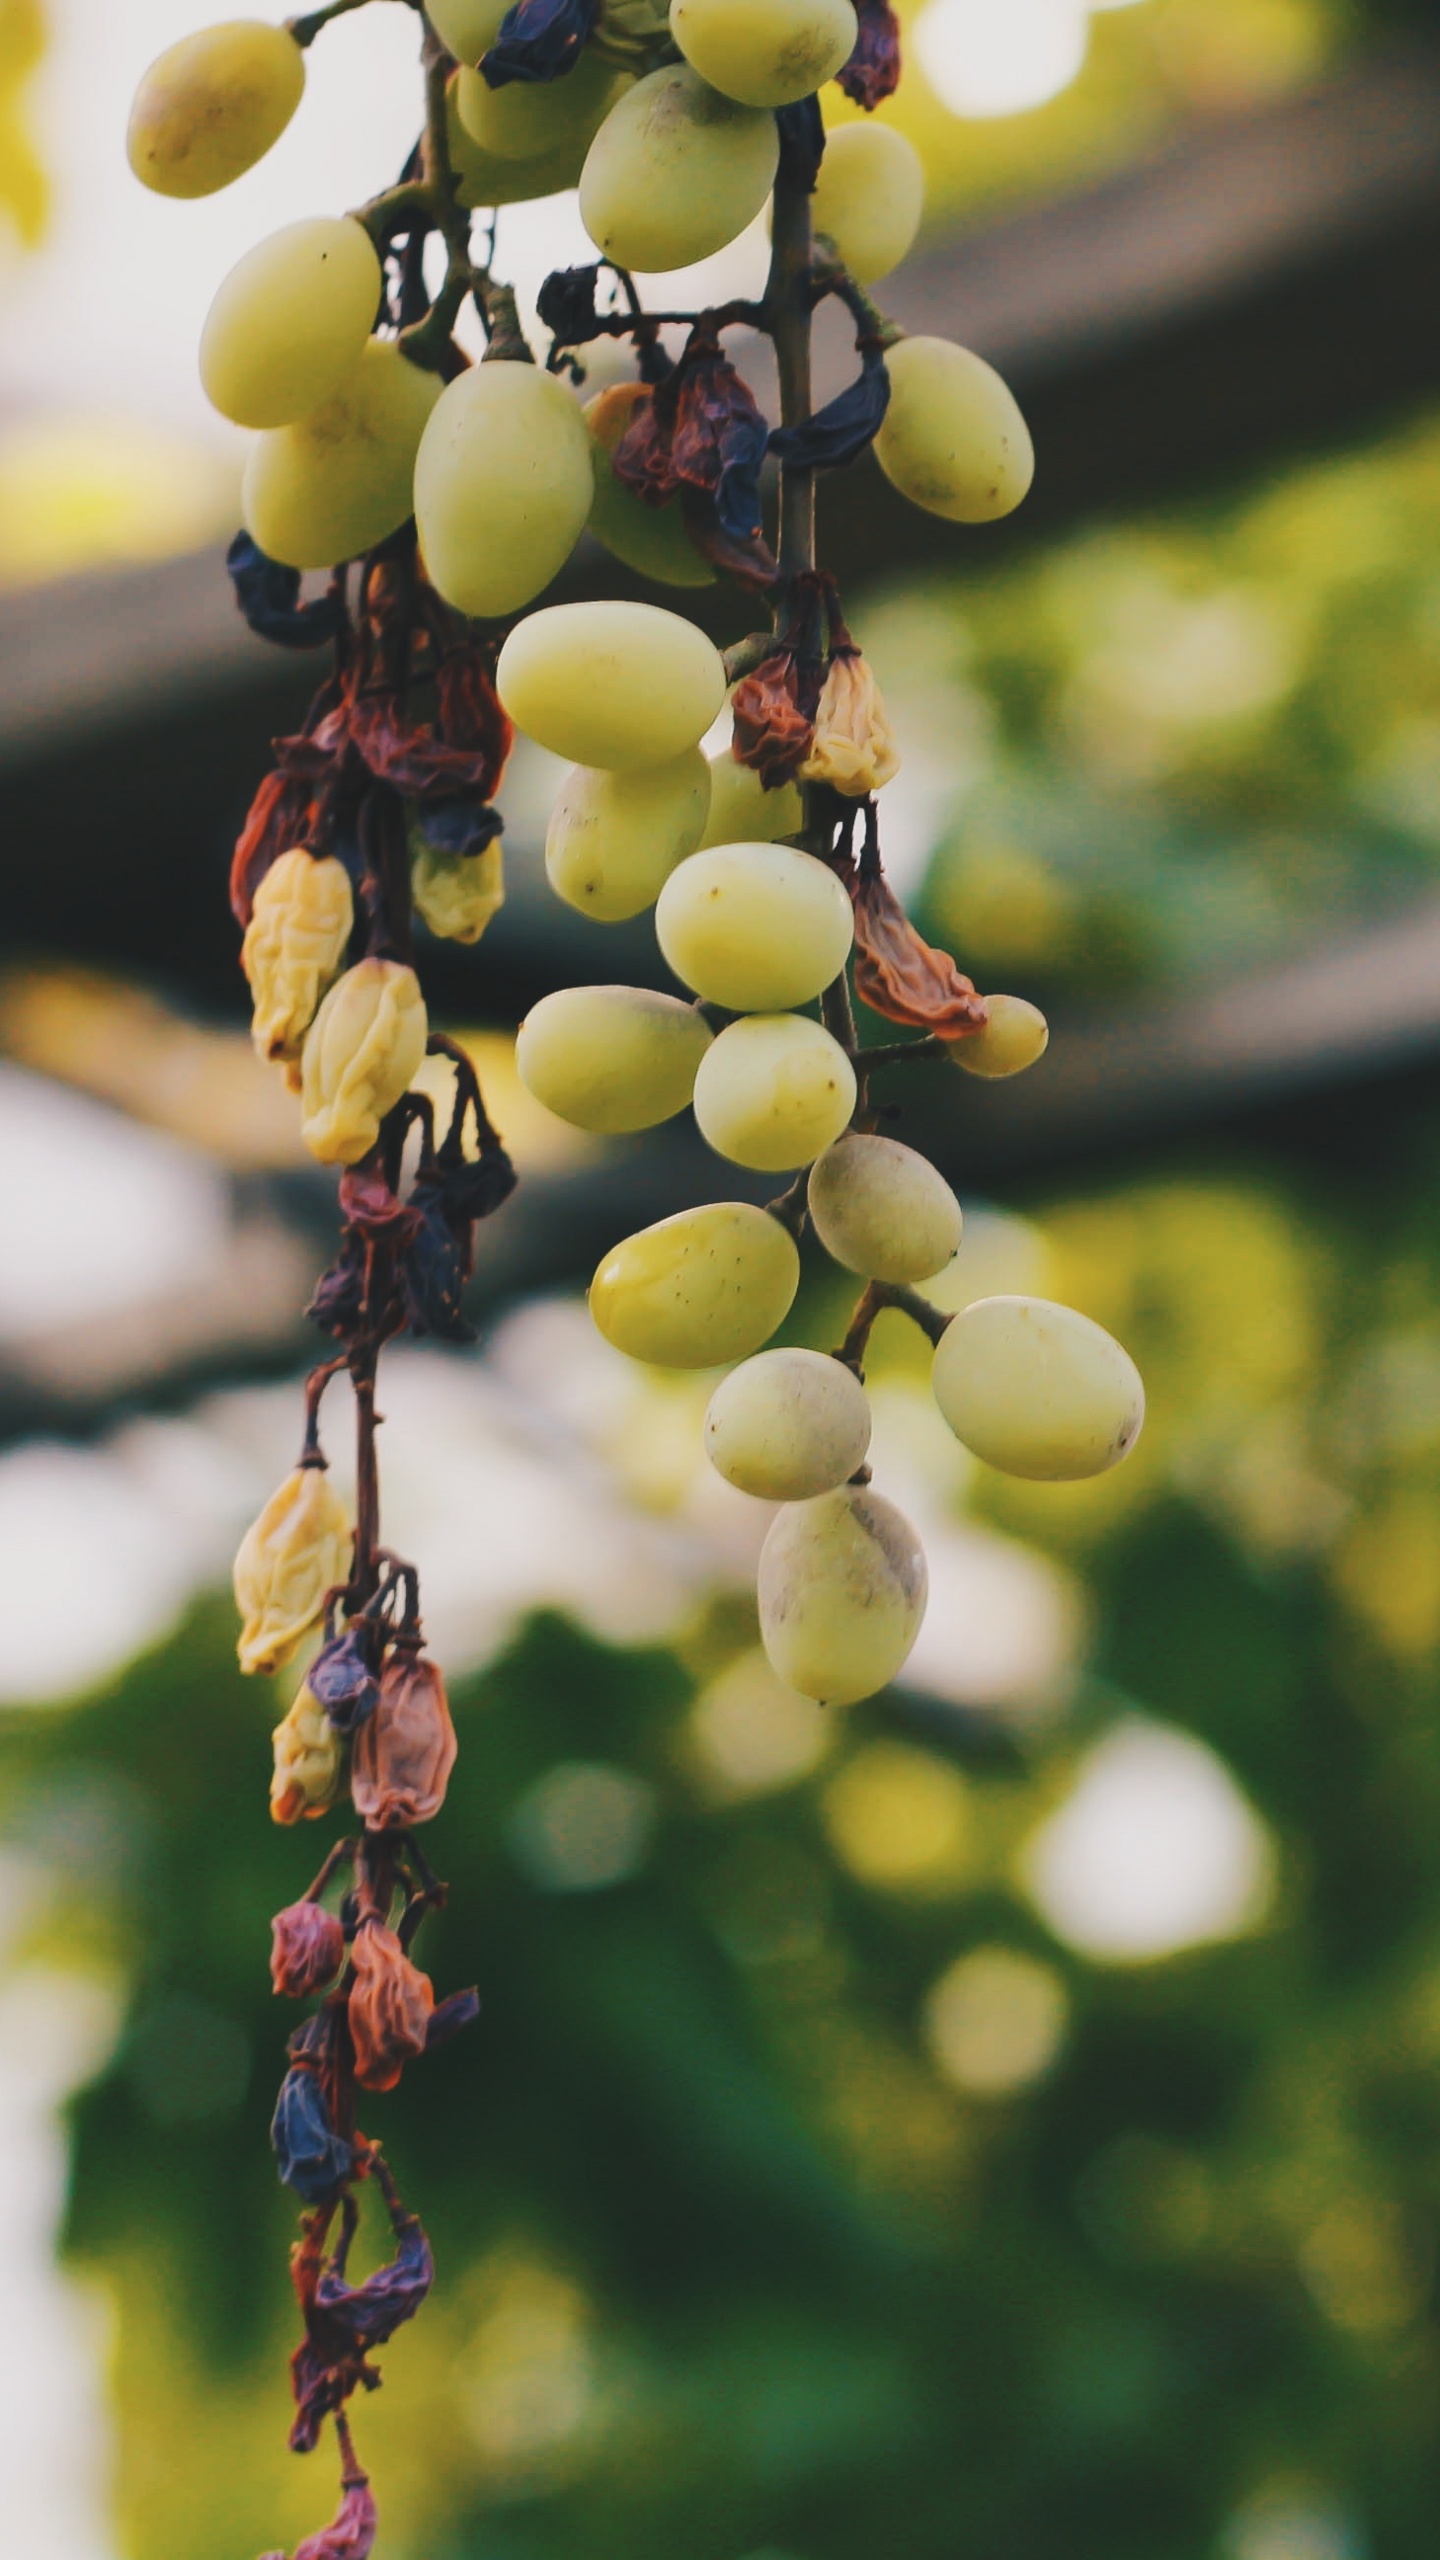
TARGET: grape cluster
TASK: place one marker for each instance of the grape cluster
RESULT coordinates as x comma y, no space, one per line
442,497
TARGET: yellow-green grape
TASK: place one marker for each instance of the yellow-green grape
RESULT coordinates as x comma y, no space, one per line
467,28
880,1209
1037,1390
612,684
457,894
502,486
615,838
337,482
842,1591
212,105
755,927
704,1287
675,172
1015,1035
483,179
773,1092
953,440
650,539
361,1051
787,1425
766,53
869,197
530,118
742,811
611,1059
290,322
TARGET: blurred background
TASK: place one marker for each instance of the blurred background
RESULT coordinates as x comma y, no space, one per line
1006,2117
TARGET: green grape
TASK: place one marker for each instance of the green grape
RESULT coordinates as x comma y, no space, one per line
766,53
1037,1390
613,684
704,1287
953,440
788,1424
842,1592
742,811
773,1091
880,1209
529,118
466,28
611,1059
482,179
650,539
755,927
1015,1035
615,838
337,482
869,197
212,105
289,324
502,486
675,172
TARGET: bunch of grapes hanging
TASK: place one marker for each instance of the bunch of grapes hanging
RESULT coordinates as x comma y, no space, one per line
442,497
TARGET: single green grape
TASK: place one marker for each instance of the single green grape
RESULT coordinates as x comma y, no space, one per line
290,323
484,180
611,683
615,838
869,197
742,811
953,440
773,1092
340,480
704,1287
788,1424
755,927
1037,1390
882,1210
765,53
502,486
467,28
842,1589
675,172
611,1059
529,119
212,105
1015,1035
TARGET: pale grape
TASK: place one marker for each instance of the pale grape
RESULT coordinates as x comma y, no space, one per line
502,486
529,118
650,539
774,1091
212,105
755,927
881,1210
869,197
467,28
1015,1035
484,180
337,482
615,838
613,684
611,1059
742,811
704,1287
953,440
788,1424
675,172
766,53
290,322
1037,1390
842,1592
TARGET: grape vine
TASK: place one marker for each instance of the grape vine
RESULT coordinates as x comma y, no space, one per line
441,497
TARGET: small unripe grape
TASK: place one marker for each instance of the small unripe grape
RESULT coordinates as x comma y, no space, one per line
615,838
502,486
1037,1390
530,118
611,1059
869,197
755,927
704,1287
842,1591
787,1425
766,53
337,482
1015,1035
675,172
773,1091
953,440
212,105
612,684
742,811
484,179
290,322
467,28
880,1209
650,539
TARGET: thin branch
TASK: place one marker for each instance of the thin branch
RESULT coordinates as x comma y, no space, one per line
876,1297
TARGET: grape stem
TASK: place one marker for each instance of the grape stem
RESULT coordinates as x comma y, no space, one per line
894,1053
877,1296
306,29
